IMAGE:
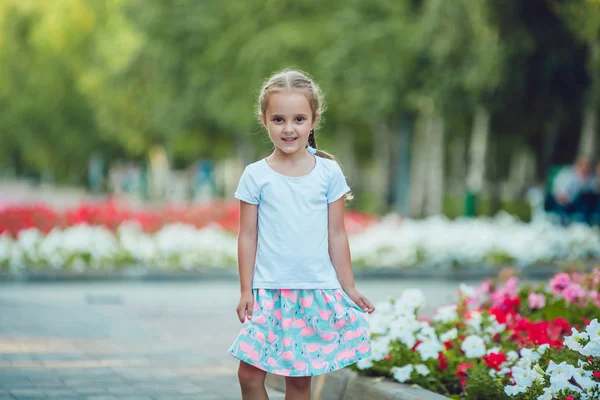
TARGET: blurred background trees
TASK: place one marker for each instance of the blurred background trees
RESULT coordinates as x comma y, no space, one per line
433,106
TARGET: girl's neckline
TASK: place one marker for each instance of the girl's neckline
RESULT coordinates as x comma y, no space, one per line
294,177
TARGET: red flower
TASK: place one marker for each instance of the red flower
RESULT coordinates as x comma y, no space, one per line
463,382
494,360
569,397
448,344
443,362
414,348
388,357
462,368
597,374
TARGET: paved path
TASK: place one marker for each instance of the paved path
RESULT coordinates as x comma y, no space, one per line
133,341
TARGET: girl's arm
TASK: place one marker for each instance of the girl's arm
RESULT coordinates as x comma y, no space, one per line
339,251
247,240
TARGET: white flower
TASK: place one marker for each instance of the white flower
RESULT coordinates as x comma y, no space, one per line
402,374
426,333
410,299
474,321
542,349
530,355
593,329
466,291
473,346
592,349
512,356
380,347
422,369
495,328
378,324
560,375
446,314
524,377
430,349
365,363
573,341
514,390
449,335
548,394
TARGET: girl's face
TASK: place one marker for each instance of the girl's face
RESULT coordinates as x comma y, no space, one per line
288,119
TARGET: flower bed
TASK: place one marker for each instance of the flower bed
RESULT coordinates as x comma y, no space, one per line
108,236
499,342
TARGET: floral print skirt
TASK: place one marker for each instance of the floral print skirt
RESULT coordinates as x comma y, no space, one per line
303,332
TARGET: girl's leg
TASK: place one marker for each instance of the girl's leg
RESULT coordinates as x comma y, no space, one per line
252,382
297,388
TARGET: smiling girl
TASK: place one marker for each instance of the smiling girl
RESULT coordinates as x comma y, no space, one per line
301,312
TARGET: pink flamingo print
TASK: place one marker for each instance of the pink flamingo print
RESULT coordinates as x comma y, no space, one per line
330,348
329,336
353,317
249,350
284,372
306,300
271,362
301,366
327,298
262,292
277,314
342,355
291,294
338,295
287,342
363,347
259,336
319,364
259,319
338,308
288,356
269,304
311,347
273,338
325,314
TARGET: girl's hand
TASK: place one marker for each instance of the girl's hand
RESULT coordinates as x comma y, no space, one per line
244,308
360,300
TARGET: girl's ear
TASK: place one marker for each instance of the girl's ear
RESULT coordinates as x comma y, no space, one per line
315,121
264,121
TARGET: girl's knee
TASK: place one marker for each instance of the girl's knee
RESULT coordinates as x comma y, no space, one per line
251,377
298,384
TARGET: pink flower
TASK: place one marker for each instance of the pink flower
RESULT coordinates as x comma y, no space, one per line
573,292
511,286
483,289
497,298
559,283
595,297
536,300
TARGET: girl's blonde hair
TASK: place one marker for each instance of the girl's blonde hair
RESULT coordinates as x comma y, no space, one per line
297,80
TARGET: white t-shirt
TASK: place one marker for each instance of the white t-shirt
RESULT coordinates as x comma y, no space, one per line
293,248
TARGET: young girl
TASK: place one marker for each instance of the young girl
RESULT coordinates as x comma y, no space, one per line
302,314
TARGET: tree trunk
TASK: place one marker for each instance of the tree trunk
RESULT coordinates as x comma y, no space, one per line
403,159
382,151
588,142
419,164
435,171
478,149
458,167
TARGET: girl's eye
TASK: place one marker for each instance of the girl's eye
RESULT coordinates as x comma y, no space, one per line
299,119
278,120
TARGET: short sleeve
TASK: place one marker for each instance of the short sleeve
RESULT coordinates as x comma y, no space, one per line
337,184
247,189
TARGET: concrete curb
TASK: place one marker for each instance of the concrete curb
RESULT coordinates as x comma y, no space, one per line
149,273
346,384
